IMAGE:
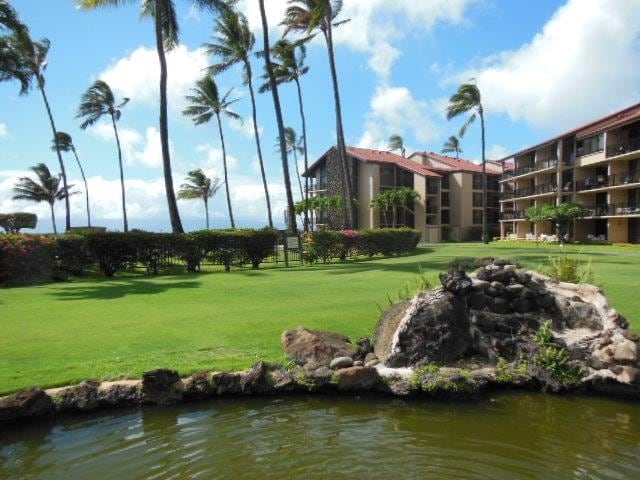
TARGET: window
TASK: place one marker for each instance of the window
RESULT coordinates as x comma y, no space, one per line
444,217
477,200
477,182
432,186
444,199
477,217
590,145
445,182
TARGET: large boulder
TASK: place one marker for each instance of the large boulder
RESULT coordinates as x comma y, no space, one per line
355,378
433,327
303,346
33,402
162,387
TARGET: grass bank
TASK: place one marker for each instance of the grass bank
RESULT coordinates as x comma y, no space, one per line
112,328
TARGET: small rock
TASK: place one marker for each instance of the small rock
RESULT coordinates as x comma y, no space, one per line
545,300
226,383
356,378
198,386
617,369
494,292
358,363
631,336
456,281
372,363
499,305
528,293
479,285
477,300
282,380
629,375
497,285
364,346
626,351
522,305
341,362
83,396
502,262
512,291
370,356
303,346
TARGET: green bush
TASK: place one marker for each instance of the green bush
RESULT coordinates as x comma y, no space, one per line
326,244
14,222
25,259
71,253
256,245
112,250
567,268
388,241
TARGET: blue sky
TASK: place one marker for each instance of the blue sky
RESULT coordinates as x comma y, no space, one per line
543,66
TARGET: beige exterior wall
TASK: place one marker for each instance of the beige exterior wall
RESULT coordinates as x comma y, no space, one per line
420,205
368,188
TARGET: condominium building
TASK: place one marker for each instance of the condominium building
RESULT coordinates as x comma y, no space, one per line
449,205
596,165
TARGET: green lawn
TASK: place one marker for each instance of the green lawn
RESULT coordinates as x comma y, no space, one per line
111,328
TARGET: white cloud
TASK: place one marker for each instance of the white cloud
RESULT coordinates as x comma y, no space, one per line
212,163
581,65
395,110
373,24
137,75
497,152
4,131
245,128
137,149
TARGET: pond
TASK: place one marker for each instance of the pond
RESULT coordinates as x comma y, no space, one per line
513,435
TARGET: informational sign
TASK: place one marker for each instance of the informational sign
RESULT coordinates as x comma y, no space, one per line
292,243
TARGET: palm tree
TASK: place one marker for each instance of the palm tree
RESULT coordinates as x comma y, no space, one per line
288,66
452,145
29,59
64,143
199,186
291,213
294,146
396,142
205,103
167,37
468,99
305,16
96,102
233,42
45,189
9,19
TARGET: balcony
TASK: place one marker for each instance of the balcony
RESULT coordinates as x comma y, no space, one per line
318,185
512,215
606,181
432,209
622,148
541,165
537,190
611,210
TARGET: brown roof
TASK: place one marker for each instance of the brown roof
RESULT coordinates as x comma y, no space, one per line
458,164
619,118
390,158
381,157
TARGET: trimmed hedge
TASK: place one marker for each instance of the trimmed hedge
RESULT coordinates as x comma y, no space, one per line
327,244
14,222
25,259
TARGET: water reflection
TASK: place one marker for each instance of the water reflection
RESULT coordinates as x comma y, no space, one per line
510,436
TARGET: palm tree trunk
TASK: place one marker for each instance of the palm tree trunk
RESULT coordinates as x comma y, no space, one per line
124,204
485,233
258,147
348,204
53,219
86,186
291,213
67,218
174,214
295,160
206,211
224,166
306,155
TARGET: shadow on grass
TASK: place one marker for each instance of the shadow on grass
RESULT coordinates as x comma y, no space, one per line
110,289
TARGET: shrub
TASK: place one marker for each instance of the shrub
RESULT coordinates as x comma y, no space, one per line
349,242
555,359
256,245
71,253
14,222
191,248
113,251
327,244
566,268
388,241
473,233
25,259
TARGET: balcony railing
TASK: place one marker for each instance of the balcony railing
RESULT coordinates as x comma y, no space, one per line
318,185
604,181
512,215
610,210
622,148
541,165
537,190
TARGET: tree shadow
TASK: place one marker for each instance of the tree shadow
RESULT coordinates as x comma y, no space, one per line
110,289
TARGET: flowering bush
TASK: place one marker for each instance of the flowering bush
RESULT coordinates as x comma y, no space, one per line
25,259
